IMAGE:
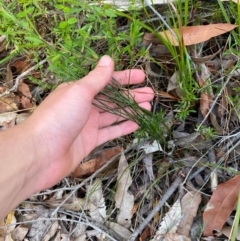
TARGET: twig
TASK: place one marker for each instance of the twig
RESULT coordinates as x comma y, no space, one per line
212,160
164,199
21,76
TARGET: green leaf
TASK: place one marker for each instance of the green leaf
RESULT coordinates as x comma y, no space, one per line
33,39
59,6
72,20
66,9
110,13
63,25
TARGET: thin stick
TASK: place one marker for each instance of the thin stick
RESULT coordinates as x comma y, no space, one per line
166,196
21,76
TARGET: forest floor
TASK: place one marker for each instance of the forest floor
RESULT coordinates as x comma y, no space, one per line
177,177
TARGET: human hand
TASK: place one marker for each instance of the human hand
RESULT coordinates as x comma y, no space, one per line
66,127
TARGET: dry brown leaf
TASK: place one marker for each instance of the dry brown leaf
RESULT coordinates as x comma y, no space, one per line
26,98
206,96
150,38
20,65
73,203
197,34
186,140
55,227
9,103
173,84
124,201
96,202
9,77
219,130
7,226
145,235
167,96
223,105
189,203
89,167
170,222
205,101
221,205
19,233
205,59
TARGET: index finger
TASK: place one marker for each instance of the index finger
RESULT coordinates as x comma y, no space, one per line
129,77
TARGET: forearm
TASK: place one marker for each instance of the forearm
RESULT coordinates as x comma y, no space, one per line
17,168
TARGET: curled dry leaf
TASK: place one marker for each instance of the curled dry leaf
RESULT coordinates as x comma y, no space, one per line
205,101
89,167
9,103
219,130
26,95
221,205
123,200
196,34
148,163
189,204
173,84
223,105
96,202
205,96
205,59
9,77
150,38
170,222
151,147
21,64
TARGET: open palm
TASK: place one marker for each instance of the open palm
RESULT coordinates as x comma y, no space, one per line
69,127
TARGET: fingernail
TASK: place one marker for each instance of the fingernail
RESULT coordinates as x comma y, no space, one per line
105,61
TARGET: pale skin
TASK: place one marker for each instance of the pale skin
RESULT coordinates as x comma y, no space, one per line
64,129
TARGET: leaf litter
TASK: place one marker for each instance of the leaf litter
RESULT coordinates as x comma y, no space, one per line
112,195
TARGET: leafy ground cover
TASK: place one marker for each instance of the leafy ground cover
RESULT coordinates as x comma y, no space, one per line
177,178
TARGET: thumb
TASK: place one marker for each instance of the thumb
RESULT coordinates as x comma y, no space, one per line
98,78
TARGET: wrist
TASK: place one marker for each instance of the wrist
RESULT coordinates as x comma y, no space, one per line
18,167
